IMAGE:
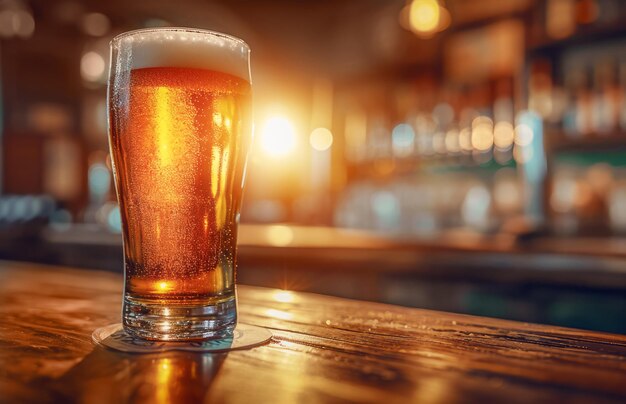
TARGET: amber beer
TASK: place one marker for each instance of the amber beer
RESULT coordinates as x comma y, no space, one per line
180,125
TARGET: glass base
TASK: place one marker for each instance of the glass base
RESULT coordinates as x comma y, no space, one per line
147,320
245,336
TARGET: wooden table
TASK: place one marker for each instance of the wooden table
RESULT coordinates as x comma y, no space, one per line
324,349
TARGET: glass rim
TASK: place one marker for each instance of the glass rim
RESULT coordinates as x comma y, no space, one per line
208,32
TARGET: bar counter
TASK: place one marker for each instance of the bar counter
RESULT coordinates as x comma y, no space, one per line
324,349
577,261
557,281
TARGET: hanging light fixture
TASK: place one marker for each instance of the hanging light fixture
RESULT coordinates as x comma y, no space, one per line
424,17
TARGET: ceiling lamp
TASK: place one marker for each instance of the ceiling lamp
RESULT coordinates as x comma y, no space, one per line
424,17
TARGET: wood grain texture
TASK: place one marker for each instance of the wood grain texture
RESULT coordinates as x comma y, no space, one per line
324,350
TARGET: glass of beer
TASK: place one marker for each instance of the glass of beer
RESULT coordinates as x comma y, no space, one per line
180,125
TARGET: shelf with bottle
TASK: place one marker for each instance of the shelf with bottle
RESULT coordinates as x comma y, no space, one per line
588,193
565,24
583,101
427,202
465,129
448,162
451,166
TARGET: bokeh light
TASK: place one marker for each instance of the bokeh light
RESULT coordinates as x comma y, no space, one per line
283,296
452,141
503,135
278,137
482,133
523,135
16,22
92,66
114,220
321,139
424,15
95,24
465,139
403,139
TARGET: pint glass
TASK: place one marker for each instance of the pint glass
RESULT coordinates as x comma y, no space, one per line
179,129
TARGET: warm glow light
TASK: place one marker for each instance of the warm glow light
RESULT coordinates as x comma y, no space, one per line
283,296
452,141
482,133
465,140
278,137
503,135
279,236
481,120
92,66
424,15
321,139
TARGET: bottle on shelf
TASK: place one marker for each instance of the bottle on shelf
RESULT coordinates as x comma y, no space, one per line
587,12
568,119
540,88
560,18
622,95
604,101
583,102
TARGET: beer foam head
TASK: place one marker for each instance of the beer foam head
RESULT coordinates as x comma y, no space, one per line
181,47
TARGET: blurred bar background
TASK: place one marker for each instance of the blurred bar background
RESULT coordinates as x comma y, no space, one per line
458,155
